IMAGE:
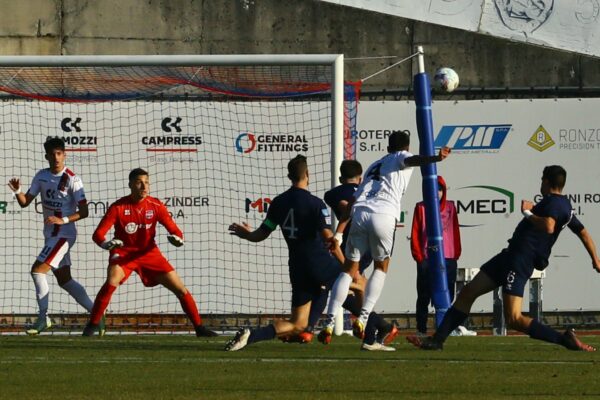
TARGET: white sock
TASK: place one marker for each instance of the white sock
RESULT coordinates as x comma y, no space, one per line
372,293
78,292
42,292
338,295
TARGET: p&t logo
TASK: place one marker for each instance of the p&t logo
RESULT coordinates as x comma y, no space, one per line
245,142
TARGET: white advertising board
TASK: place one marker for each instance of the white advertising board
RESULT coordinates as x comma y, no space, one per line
211,163
499,150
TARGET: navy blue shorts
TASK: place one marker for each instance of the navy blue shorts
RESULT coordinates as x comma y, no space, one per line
309,277
510,270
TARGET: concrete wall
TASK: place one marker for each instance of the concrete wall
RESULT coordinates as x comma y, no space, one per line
280,26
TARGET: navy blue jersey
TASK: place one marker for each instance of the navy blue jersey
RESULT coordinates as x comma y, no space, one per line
301,217
536,243
344,192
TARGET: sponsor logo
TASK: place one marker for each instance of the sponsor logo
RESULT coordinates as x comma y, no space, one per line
171,140
374,140
480,204
540,140
76,140
261,205
131,228
473,138
178,204
245,142
579,139
248,142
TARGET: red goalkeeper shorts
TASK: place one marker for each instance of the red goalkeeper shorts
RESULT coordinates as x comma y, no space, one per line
148,265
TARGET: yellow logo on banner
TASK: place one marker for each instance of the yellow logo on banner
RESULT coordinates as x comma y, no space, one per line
540,140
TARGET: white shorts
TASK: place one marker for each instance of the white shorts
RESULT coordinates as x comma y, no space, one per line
369,231
56,252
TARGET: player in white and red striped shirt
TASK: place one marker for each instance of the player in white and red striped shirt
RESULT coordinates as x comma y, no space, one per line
133,248
63,203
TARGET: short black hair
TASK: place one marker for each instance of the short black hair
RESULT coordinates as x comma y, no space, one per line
136,172
297,168
556,176
398,140
53,143
350,169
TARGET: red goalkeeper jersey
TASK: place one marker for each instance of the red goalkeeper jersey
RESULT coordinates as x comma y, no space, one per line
135,223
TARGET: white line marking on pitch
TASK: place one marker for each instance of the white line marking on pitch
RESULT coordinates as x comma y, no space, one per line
137,360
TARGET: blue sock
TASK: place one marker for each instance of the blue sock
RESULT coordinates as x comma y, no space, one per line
451,321
539,331
317,307
260,334
371,328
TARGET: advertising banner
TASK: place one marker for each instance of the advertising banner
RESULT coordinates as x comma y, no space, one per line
499,149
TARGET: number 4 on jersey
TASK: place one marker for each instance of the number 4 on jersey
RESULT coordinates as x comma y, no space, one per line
289,226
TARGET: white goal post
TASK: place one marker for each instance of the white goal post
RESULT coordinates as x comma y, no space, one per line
215,133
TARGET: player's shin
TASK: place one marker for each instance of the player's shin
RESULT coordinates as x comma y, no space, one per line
101,302
42,292
372,293
451,321
539,331
339,292
191,310
78,292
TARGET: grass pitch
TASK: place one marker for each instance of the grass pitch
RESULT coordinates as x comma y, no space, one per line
184,367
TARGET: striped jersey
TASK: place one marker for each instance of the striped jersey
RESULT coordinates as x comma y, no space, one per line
61,194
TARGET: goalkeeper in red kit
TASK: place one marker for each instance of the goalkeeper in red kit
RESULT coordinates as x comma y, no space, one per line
133,248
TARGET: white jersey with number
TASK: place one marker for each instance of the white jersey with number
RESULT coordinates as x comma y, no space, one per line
61,194
384,184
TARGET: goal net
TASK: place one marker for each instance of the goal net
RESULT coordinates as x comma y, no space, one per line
215,134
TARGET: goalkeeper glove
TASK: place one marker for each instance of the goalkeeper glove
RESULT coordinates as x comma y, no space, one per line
111,244
175,240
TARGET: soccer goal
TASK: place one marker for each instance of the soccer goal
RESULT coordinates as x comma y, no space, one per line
215,134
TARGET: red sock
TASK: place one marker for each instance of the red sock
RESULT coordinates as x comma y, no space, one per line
189,306
101,302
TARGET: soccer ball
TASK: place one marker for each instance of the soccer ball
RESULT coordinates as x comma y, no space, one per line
446,79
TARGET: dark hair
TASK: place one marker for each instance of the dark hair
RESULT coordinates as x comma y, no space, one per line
350,169
297,168
556,176
398,140
135,173
54,143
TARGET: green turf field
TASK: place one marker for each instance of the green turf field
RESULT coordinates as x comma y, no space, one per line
183,367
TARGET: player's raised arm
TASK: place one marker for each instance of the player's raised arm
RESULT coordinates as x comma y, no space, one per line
418,160
24,199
